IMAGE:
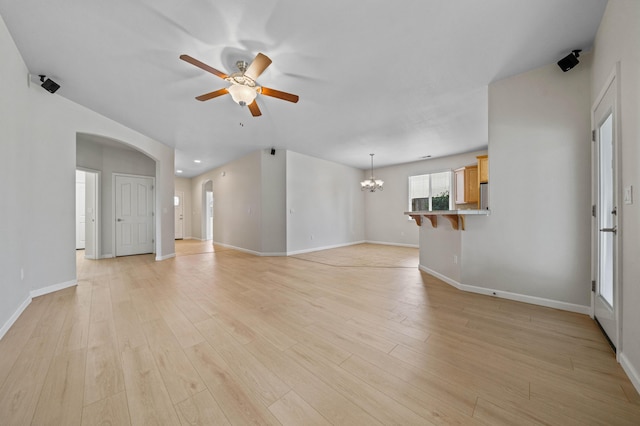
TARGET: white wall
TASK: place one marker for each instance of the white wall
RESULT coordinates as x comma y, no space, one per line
325,207
384,221
110,160
618,40
536,242
37,168
238,203
274,202
184,185
15,154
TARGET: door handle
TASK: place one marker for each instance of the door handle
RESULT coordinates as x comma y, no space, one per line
614,230
119,220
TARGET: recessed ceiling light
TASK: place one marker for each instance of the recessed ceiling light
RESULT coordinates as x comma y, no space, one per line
178,171
197,161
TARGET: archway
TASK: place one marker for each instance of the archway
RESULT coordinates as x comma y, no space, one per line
111,157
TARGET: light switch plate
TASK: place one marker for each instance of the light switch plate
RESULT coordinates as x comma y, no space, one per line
628,194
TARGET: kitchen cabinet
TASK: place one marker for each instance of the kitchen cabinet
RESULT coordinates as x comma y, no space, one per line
483,168
466,182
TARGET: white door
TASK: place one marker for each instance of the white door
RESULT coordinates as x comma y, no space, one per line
91,213
606,212
80,210
133,215
178,204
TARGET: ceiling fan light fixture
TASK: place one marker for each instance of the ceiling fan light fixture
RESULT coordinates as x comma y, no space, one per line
242,95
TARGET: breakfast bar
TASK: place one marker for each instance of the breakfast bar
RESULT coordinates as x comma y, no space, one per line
456,217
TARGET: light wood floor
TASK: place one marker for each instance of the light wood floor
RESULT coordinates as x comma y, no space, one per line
221,337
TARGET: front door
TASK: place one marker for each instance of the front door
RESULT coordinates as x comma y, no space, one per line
606,214
133,215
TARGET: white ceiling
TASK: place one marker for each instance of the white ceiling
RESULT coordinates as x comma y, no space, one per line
400,79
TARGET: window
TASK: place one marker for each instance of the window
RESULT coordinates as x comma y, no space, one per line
430,192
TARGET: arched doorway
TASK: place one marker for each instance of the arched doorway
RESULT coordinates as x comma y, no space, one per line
116,160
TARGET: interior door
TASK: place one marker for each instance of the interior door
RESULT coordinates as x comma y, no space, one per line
606,218
91,213
178,204
133,215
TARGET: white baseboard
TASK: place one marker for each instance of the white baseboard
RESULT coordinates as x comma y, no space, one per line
52,288
106,256
33,293
7,325
549,303
630,370
243,250
289,253
393,244
165,257
353,243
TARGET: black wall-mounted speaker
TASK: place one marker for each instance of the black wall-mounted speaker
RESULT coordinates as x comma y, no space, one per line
48,84
569,61
273,151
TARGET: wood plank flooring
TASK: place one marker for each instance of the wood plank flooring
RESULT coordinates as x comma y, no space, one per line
353,336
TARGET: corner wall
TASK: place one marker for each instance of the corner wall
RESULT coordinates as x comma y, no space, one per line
274,202
537,240
38,161
237,207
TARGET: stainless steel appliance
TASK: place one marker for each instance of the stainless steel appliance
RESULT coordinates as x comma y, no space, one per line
484,196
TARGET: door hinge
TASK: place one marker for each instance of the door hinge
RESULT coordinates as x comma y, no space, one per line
593,136
153,214
153,242
593,210
593,285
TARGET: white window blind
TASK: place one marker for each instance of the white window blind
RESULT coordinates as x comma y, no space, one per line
423,189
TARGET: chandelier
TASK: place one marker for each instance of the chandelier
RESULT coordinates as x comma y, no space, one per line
372,183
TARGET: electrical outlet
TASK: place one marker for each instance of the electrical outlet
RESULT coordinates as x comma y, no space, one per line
455,259
21,274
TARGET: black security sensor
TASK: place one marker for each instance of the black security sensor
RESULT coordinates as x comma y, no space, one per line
273,151
48,84
569,61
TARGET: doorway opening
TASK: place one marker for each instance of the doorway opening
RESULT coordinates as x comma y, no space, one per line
87,212
207,213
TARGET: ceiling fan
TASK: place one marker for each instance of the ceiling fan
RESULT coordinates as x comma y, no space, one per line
244,88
